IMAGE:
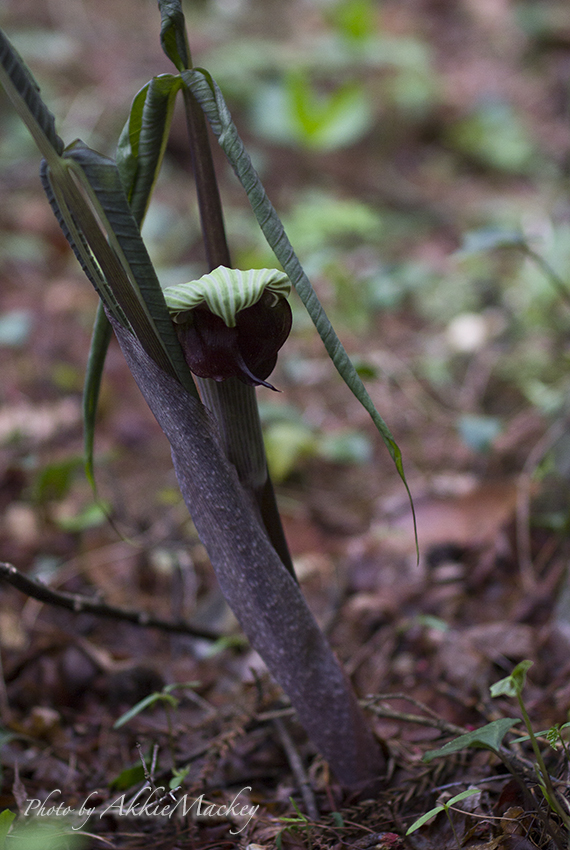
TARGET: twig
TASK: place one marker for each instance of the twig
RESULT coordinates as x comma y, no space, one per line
298,769
80,604
515,764
433,720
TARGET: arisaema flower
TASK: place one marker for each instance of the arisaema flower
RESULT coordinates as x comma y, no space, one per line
232,323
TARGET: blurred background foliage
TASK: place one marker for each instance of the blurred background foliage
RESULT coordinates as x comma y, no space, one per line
392,136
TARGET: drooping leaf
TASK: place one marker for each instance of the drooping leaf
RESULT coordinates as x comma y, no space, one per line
142,143
208,94
86,192
128,270
513,685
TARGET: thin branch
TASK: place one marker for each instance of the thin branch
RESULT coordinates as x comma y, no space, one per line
299,772
434,722
80,604
515,764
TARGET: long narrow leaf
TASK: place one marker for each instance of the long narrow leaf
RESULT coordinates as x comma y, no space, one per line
87,195
24,93
137,289
78,243
140,152
142,143
208,94
102,332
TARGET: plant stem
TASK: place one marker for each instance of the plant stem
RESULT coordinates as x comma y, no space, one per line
557,282
548,789
446,808
233,404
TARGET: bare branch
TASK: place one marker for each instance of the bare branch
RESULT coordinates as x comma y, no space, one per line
81,604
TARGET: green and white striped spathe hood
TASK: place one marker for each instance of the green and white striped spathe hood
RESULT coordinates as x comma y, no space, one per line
225,292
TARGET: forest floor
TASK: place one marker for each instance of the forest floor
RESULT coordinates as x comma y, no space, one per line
424,203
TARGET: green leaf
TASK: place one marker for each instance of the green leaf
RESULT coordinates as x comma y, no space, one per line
424,819
53,482
90,516
552,735
181,685
151,699
355,19
128,777
6,818
303,818
212,102
87,195
125,262
487,737
24,92
178,777
102,333
285,444
513,685
326,122
142,143
173,33
140,153
470,792
495,135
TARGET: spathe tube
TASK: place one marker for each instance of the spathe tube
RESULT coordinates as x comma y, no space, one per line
261,592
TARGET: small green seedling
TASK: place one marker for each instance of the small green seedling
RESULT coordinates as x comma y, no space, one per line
163,696
513,686
170,703
443,807
491,736
294,824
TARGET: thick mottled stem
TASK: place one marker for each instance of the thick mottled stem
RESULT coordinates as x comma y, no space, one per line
262,593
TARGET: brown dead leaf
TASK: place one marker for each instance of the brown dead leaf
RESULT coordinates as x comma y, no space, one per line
465,655
471,519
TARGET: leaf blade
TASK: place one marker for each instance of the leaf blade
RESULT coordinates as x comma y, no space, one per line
487,737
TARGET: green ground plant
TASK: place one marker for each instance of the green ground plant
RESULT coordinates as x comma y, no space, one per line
491,737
